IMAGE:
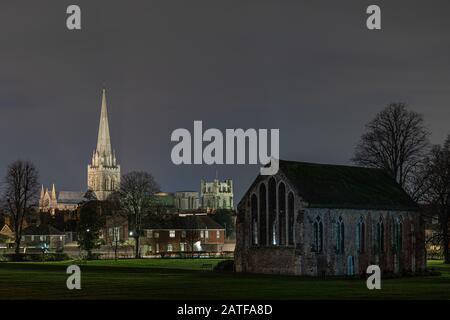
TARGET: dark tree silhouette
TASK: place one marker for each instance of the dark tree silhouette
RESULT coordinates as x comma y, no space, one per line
21,189
437,195
136,197
397,141
91,221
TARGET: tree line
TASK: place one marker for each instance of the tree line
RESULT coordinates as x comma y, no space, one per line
397,140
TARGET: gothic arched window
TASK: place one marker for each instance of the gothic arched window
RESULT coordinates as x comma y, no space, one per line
290,218
254,217
262,215
272,211
318,235
282,213
398,235
360,235
340,235
380,236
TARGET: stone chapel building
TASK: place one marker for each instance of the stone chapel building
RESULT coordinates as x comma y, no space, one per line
317,219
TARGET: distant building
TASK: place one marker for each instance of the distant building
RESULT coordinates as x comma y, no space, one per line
103,176
103,171
51,201
178,201
37,236
115,230
316,219
7,234
187,200
164,199
216,194
180,234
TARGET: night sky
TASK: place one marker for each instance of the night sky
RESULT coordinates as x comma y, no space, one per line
309,68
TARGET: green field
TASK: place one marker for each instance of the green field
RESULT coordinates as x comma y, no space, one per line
191,279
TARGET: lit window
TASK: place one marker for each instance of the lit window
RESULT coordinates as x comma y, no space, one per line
202,234
182,247
172,233
149,233
169,248
218,234
206,234
156,234
183,234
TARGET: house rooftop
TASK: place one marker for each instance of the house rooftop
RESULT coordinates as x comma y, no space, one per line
190,222
41,230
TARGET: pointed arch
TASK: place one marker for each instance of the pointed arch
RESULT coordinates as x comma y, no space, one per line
318,235
272,203
340,236
379,241
360,235
282,213
263,214
290,212
398,234
254,219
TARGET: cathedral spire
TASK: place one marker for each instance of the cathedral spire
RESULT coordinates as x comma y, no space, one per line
104,140
104,171
53,192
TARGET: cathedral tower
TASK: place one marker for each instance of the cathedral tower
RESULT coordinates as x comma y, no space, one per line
103,172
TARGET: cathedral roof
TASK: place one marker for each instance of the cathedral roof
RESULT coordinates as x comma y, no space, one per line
73,197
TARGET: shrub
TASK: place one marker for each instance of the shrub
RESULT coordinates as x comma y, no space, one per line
225,266
36,257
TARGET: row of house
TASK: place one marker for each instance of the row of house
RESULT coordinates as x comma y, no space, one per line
189,232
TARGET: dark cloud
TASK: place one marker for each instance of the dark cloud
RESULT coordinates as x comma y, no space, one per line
310,68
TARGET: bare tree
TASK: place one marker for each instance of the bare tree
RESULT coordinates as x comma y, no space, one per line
438,192
21,189
397,141
191,227
115,221
136,196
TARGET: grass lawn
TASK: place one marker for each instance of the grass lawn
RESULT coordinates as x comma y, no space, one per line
186,279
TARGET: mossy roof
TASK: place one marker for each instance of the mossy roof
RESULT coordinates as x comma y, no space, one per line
339,186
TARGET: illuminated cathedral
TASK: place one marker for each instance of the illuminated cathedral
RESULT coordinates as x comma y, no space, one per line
103,173
103,176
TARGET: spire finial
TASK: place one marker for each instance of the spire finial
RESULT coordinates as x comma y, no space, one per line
104,141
